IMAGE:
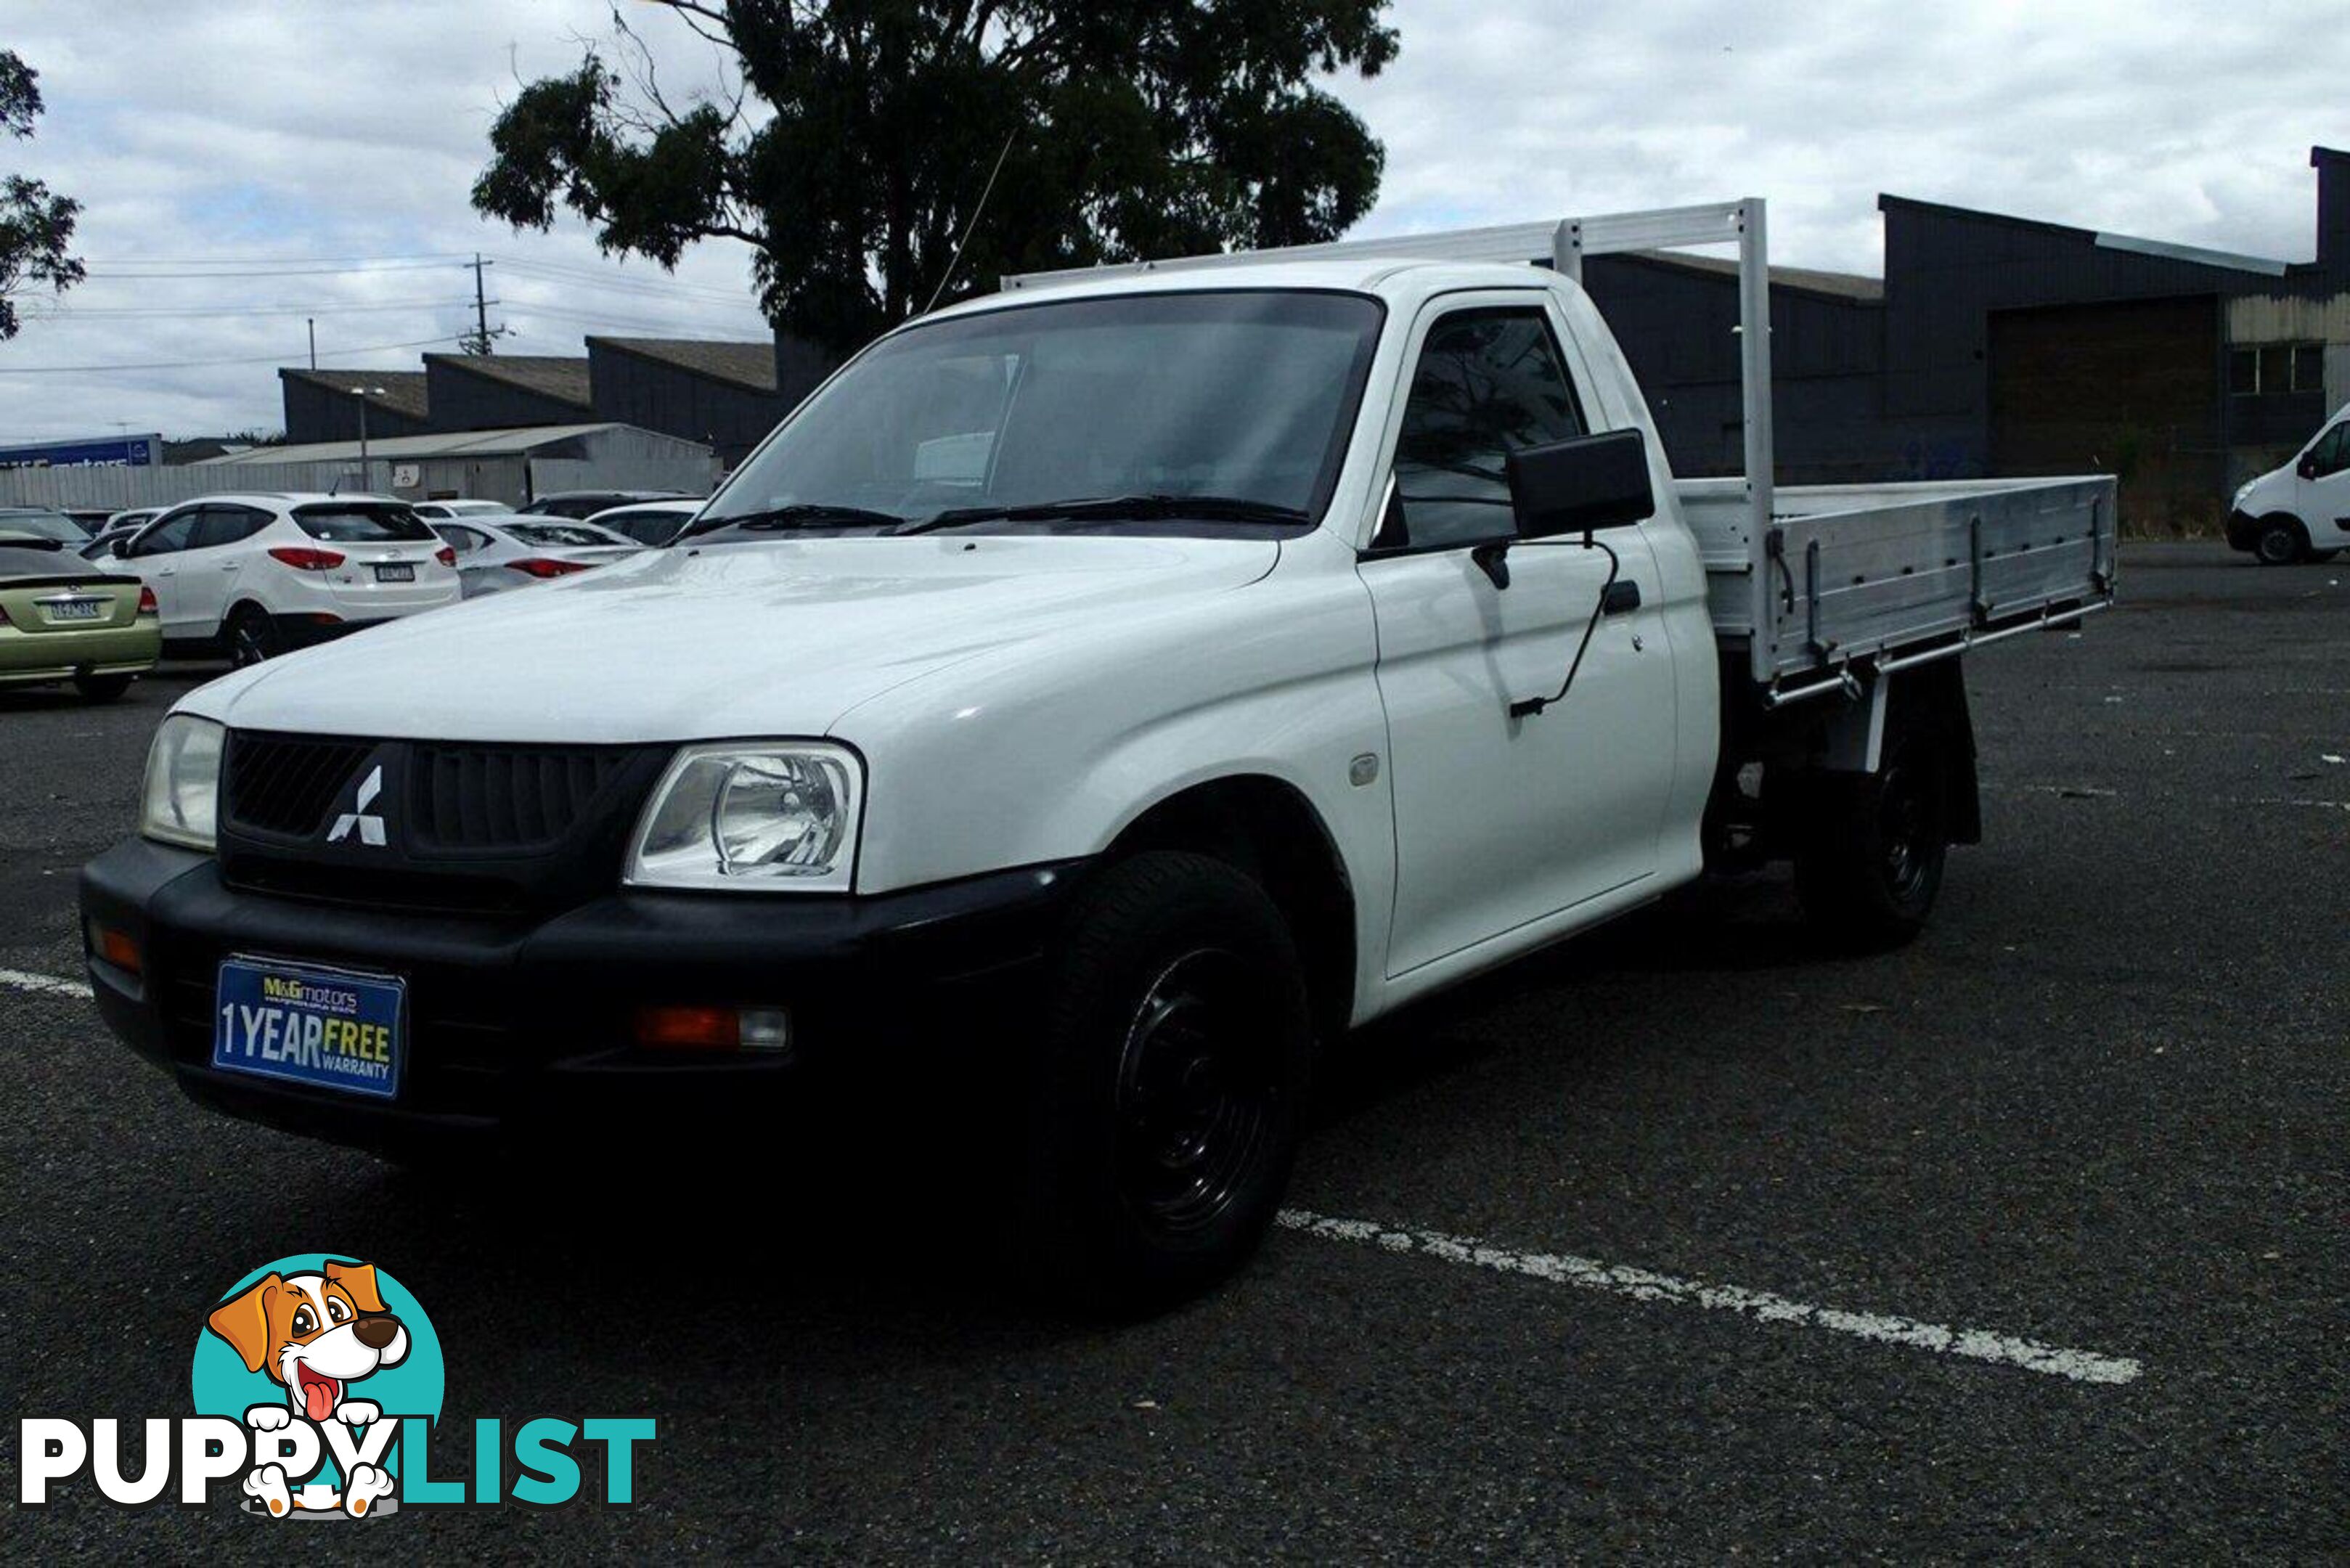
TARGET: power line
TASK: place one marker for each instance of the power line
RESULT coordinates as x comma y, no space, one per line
263,271
201,364
624,285
269,261
73,313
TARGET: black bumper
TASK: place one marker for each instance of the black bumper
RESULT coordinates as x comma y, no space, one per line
2242,529
522,1024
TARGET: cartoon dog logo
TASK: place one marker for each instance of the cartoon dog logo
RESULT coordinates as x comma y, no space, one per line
314,1335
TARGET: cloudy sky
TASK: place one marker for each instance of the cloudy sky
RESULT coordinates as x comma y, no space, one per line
314,158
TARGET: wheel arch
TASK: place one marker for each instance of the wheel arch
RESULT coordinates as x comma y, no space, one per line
1267,828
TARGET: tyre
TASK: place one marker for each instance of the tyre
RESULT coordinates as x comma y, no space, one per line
1871,856
252,636
102,688
1163,1113
2279,541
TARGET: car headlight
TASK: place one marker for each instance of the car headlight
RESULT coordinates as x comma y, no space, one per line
753,817
180,800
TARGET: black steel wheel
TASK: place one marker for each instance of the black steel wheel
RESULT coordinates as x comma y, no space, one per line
2279,541
1164,1113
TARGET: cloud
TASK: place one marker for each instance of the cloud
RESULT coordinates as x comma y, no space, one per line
257,128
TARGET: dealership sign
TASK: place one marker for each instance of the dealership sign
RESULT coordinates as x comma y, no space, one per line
99,451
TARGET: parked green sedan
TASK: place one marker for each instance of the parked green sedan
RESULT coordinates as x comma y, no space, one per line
65,618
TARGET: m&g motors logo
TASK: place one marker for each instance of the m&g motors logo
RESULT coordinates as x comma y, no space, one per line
317,1389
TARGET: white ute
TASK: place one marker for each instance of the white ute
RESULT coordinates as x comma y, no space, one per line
1114,687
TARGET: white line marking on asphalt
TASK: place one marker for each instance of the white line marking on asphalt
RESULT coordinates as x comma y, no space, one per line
1762,1306
42,984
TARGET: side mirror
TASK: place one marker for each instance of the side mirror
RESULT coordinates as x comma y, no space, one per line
1583,482
2306,467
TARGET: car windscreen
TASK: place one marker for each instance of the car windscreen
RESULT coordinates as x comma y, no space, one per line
1240,396
36,523
351,523
558,535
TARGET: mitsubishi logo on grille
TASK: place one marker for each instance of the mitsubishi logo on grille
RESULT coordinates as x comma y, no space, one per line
370,826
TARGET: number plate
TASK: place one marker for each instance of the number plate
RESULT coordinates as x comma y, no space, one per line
395,574
75,609
326,1028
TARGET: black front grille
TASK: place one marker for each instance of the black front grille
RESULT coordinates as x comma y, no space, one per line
285,784
520,800
456,827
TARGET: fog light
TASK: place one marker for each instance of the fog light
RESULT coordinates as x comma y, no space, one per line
116,947
765,1029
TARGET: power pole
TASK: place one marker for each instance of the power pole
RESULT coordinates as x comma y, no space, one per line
479,343
312,322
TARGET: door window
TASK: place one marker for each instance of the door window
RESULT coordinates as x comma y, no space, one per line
228,526
2331,455
171,533
1488,382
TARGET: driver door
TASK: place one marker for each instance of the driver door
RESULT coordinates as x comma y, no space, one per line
1499,821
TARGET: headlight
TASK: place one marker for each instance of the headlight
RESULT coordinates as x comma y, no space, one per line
178,802
751,816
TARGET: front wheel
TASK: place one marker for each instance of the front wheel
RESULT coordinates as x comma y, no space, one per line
2279,541
1164,1117
1870,861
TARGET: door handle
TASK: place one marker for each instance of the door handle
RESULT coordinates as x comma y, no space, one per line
228,566
1620,598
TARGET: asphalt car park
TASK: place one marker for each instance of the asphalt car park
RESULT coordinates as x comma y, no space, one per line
1684,1239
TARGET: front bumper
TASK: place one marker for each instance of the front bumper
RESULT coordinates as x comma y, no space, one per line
2241,529
524,1025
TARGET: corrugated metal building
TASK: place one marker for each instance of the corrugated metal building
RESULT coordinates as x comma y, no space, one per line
509,465
722,394
323,405
506,391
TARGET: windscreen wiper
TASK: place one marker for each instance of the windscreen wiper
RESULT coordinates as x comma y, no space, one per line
1116,509
800,515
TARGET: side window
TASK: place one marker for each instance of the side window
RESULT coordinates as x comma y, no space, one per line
2332,453
230,525
1488,382
171,533
464,541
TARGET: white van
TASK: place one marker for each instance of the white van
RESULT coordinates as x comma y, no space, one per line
2300,512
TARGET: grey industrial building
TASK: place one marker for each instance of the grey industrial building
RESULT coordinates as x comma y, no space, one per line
723,394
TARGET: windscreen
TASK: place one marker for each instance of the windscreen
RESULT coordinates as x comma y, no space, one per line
1242,396
25,558
358,524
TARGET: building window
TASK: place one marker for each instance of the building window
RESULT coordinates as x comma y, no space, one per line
2272,370
2243,372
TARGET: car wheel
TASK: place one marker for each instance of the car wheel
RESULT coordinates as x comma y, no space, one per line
1164,1113
253,637
102,688
2279,541
1874,844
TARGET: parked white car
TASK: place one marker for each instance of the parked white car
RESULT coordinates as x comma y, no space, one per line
442,511
2300,512
253,575
497,554
649,522
1093,702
